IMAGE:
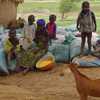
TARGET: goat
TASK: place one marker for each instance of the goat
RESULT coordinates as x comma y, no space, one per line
85,86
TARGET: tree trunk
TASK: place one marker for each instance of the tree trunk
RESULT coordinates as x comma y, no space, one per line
62,17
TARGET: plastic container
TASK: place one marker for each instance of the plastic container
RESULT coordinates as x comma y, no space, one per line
46,63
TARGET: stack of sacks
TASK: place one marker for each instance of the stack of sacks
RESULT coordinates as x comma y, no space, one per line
68,39
69,43
87,61
60,52
71,29
60,35
75,48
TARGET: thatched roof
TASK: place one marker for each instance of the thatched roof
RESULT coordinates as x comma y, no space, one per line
16,1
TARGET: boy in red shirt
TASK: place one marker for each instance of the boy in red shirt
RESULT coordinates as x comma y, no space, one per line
51,27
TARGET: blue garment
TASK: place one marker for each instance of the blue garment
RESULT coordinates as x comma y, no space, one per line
3,65
4,68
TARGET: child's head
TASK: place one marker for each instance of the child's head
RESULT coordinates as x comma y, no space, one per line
20,23
40,23
52,18
12,33
85,6
41,26
19,18
31,19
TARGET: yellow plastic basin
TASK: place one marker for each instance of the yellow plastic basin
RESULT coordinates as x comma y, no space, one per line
45,64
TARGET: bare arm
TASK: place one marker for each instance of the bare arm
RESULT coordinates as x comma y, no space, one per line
94,20
78,22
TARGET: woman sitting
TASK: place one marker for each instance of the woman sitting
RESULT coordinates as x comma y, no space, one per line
29,57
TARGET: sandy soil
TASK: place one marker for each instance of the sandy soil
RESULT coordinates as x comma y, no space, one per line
51,85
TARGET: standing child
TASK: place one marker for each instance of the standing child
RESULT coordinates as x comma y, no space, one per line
51,27
86,24
29,32
30,28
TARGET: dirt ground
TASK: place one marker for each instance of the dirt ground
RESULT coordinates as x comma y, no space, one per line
57,84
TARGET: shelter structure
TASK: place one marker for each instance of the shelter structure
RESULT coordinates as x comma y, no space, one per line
8,11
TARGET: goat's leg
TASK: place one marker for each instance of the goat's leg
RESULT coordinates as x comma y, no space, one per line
83,97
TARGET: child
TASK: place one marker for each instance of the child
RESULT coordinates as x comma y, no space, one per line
51,27
30,28
86,24
11,46
20,23
41,38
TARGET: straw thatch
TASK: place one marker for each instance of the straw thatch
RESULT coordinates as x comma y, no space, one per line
8,11
16,1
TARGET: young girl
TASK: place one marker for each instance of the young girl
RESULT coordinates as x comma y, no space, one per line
41,38
11,47
86,24
51,27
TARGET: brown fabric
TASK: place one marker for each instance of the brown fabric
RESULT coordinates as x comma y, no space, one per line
8,11
16,1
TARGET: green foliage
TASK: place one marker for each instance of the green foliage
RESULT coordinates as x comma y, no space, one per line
29,7
65,6
76,0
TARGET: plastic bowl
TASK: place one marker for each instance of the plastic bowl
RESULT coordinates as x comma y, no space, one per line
45,64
